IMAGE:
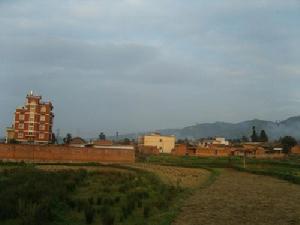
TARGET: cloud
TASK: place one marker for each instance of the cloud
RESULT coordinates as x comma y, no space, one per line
139,64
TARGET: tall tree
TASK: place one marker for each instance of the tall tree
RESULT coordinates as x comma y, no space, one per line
68,138
254,137
263,137
288,142
102,136
245,139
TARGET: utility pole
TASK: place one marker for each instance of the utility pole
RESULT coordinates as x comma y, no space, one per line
244,159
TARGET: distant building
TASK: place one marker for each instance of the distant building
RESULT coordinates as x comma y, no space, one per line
77,142
33,122
165,144
102,142
205,143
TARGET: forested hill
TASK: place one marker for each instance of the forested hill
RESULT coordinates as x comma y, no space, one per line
274,130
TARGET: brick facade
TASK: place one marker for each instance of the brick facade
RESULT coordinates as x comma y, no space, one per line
295,149
52,153
34,121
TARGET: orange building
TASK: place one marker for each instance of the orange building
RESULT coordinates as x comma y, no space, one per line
33,122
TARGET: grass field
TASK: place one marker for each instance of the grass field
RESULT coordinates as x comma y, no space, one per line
236,197
187,178
161,190
286,169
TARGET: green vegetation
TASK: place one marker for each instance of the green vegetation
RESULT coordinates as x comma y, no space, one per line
288,142
286,168
31,196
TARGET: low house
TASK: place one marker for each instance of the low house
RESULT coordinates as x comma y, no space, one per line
180,150
219,141
77,142
102,143
148,150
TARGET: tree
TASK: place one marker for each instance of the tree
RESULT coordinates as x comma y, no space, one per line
254,137
263,137
245,139
288,142
126,141
102,136
53,140
68,138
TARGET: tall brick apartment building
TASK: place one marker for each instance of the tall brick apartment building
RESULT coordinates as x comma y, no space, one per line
33,122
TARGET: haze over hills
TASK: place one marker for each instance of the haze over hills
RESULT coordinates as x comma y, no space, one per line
274,130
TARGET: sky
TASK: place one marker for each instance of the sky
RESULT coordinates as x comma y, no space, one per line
139,65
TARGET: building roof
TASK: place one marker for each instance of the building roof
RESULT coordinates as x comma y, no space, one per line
77,140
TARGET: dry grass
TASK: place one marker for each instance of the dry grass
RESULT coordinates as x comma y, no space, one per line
242,198
184,177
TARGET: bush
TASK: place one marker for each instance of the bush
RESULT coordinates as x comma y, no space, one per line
108,218
89,213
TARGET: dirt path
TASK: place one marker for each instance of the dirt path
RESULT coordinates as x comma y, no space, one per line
237,198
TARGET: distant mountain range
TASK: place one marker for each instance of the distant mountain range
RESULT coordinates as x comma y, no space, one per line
274,130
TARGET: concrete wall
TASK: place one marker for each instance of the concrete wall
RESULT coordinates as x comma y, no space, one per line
165,144
52,153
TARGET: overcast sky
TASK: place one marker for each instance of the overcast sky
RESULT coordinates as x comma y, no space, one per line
135,65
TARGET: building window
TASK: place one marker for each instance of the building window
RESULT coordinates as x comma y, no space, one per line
43,109
20,135
21,117
32,108
42,118
31,119
41,136
42,127
31,127
21,126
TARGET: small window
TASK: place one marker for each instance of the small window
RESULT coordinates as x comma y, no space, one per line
42,127
42,118
43,109
32,108
21,126
41,136
20,135
21,117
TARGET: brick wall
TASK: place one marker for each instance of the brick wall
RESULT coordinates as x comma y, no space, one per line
214,151
148,150
180,150
296,149
52,153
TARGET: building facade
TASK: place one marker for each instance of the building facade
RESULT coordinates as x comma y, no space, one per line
33,122
165,144
206,143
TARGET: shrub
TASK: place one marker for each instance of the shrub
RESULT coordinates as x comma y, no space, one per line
146,211
108,218
89,213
